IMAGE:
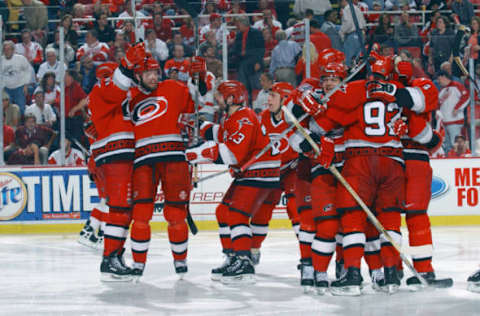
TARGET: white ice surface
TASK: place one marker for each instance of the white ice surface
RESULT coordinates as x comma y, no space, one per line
54,275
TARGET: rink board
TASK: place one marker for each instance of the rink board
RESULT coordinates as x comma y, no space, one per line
39,200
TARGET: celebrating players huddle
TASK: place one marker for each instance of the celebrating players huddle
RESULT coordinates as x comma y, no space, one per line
374,130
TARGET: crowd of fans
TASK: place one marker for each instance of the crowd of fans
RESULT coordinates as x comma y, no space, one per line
264,47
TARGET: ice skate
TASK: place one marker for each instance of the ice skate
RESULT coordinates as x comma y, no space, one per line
378,280
349,284
137,271
414,283
239,271
255,253
113,269
217,273
321,282
180,268
87,237
474,282
392,282
306,275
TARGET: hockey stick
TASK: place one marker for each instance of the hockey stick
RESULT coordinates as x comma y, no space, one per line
357,198
360,36
325,98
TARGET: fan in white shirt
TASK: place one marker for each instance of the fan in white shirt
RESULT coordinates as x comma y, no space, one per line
51,65
73,156
43,112
267,20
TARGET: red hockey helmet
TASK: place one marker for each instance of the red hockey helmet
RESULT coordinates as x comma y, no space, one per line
233,88
329,55
383,66
334,70
149,63
282,88
105,70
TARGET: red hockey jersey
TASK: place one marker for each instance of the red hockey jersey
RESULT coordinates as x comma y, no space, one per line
281,147
115,140
155,118
240,138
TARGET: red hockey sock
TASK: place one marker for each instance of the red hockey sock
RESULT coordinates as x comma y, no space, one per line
177,231
259,223
420,239
307,233
222,213
116,230
141,233
324,243
372,248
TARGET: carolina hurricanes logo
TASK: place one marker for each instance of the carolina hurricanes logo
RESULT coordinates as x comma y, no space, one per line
279,145
149,109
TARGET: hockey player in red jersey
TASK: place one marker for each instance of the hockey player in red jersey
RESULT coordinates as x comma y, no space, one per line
113,152
159,156
238,139
97,220
324,184
374,168
274,123
418,139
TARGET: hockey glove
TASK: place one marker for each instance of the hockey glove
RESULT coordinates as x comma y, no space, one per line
90,130
381,90
134,55
198,66
206,152
400,127
310,101
327,152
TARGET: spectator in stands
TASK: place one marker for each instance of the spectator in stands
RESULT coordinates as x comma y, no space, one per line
32,143
128,13
128,31
453,99
187,31
463,11
118,55
249,49
263,5
300,68
105,32
36,18
318,38
87,73
94,49
236,9
69,53
119,43
270,44
8,134
17,73
71,36
11,112
460,148
319,8
447,67
296,30
162,28
213,26
172,73
78,12
351,42
406,33
43,112
179,62
284,59
75,103
31,50
441,43
51,90
330,28
418,71
268,21
211,40
261,102
473,41
214,65
156,46
50,65
383,33
210,7
178,40
73,156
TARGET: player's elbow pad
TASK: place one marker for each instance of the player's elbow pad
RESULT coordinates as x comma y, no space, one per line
403,98
126,72
297,111
202,87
